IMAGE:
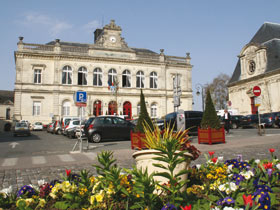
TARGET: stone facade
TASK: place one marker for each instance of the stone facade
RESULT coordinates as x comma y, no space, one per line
47,76
258,65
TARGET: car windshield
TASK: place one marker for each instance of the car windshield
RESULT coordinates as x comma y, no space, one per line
21,125
38,123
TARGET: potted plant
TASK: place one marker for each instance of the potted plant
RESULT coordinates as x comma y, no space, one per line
138,134
167,157
210,130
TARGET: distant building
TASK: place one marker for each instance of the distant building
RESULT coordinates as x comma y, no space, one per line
258,65
6,108
47,76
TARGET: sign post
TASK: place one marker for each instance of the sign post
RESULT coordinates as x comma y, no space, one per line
80,98
257,92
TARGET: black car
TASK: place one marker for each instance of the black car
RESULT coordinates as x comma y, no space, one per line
109,128
251,120
236,121
87,124
192,120
271,119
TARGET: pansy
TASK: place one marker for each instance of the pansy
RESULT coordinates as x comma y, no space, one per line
278,166
168,207
26,190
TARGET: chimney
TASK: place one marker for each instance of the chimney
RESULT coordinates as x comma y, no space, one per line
97,33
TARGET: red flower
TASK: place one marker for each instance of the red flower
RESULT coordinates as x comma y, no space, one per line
214,160
247,200
268,165
68,172
271,150
211,153
189,207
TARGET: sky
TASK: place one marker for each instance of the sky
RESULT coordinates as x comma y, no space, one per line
212,31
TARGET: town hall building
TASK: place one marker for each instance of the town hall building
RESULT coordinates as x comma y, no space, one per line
258,65
108,70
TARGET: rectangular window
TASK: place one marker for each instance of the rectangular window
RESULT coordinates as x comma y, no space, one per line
37,76
36,108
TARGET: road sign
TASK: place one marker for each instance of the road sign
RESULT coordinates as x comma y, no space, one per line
258,101
257,91
81,97
81,104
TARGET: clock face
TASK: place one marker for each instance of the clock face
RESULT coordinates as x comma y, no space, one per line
113,39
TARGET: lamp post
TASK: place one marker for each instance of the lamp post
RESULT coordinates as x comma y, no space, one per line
199,87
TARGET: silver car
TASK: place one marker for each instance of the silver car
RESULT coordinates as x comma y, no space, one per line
21,128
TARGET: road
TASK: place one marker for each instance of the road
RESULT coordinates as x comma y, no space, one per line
24,160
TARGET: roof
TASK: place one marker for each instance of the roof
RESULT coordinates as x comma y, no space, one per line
6,96
267,36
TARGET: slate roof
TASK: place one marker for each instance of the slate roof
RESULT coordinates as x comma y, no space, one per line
269,36
6,95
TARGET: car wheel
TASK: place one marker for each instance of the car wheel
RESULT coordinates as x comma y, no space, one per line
96,138
234,126
59,132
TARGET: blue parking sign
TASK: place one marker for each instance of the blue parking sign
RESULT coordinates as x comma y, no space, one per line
81,97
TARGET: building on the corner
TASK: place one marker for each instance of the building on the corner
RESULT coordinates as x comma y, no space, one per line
47,76
258,65
6,108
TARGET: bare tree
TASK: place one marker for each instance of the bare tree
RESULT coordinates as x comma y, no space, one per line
219,91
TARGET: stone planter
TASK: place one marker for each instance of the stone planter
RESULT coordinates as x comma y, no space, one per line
144,159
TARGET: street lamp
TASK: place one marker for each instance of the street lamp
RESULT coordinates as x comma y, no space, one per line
199,86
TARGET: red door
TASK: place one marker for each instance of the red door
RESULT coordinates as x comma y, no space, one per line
97,108
112,108
253,107
127,109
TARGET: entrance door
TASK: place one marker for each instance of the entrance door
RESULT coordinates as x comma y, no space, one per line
112,108
253,107
127,109
97,108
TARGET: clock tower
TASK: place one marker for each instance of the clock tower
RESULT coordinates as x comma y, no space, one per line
109,37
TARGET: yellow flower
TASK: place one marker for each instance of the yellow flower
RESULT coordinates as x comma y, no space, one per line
92,198
99,198
20,201
92,179
29,201
42,202
53,195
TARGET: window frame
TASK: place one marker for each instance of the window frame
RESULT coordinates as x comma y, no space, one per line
66,108
112,76
153,80
140,78
97,75
37,76
126,79
82,76
68,72
36,110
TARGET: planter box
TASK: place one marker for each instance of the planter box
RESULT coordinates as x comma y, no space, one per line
211,135
136,140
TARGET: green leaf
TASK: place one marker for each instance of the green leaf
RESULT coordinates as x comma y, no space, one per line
61,205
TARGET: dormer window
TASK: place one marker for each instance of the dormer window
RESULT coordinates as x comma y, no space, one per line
252,67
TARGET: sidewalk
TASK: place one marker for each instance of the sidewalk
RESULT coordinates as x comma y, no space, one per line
251,147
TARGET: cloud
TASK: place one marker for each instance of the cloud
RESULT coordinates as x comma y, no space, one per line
52,25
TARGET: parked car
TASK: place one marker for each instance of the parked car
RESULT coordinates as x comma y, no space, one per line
192,120
21,128
109,128
65,120
251,120
236,121
271,119
70,129
87,124
50,127
37,126
56,127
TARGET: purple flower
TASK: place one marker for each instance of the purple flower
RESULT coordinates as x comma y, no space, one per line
238,178
26,190
169,207
239,157
228,200
269,172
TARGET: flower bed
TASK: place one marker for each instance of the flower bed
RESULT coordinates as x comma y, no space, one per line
217,184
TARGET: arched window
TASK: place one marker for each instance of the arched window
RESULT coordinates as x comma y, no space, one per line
140,79
66,108
153,110
112,77
82,76
67,75
153,80
97,77
126,78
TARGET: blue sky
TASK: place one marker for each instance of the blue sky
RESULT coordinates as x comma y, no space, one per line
213,31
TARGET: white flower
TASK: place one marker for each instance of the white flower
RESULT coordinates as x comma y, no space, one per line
41,182
220,159
228,208
257,161
229,168
233,187
198,166
222,187
216,208
247,175
7,190
278,166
